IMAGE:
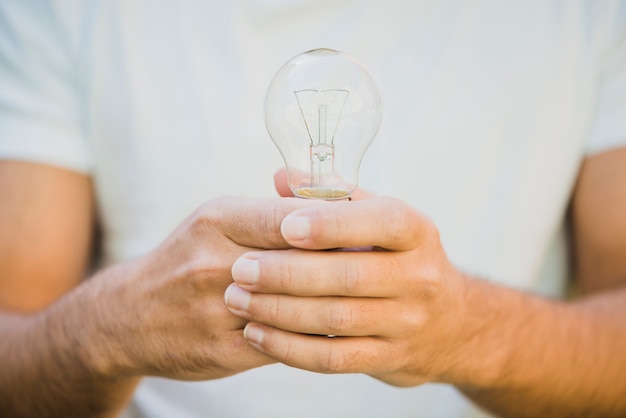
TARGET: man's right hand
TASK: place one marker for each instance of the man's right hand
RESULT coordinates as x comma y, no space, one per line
164,314
79,349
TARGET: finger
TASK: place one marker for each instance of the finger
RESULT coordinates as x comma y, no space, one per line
281,184
317,315
247,222
318,353
312,273
238,356
383,222
282,187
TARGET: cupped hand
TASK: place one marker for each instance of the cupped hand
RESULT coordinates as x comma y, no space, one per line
395,312
164,314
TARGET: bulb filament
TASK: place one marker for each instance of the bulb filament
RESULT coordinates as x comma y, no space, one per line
324,107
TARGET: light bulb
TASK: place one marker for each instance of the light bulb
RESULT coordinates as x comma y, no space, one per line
322,111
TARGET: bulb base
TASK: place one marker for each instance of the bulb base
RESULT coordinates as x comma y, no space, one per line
325,194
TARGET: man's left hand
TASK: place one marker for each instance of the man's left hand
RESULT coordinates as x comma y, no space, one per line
394,305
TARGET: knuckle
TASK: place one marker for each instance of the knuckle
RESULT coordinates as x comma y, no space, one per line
425,285
204,221
353,276
287,273
432,289
209,215
400,219
337,228
274,308
286,352
340,318
272,219
335,360
413,319
430,284
202,274
404,223
433,230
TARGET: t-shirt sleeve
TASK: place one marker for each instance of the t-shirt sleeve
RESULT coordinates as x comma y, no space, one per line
40,112
608,129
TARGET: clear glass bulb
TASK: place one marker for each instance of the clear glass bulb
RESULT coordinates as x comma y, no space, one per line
322,111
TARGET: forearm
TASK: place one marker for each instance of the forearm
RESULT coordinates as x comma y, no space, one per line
550,358
48,366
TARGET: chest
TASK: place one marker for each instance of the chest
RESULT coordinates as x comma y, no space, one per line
485,110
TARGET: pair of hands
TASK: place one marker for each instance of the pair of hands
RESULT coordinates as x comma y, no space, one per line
393,303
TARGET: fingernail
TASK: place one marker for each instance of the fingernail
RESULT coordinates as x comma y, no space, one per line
295,228
245,270
237,298
253,333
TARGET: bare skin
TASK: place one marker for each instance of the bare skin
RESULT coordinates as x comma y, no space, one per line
162,314
84,353
403,314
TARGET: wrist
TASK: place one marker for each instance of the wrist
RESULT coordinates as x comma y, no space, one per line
91,324
499,336
482,352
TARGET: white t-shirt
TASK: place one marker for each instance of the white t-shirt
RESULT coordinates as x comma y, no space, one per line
489,108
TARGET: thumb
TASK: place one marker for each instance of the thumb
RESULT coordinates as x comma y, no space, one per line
280,183
282,187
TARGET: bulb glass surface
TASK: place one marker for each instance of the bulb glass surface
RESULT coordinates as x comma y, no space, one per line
322,111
